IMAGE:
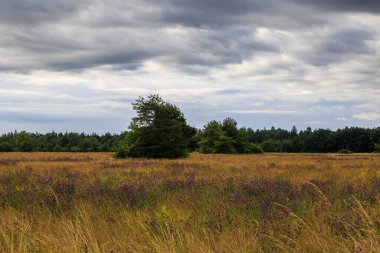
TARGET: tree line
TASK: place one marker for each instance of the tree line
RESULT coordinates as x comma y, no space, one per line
59,142
211,139
160,130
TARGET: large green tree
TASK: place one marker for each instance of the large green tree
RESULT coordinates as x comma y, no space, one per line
158,131
23,141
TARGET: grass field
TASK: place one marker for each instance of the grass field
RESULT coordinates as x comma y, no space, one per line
90,202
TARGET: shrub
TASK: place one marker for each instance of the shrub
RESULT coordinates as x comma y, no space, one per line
253,149
75,149
225,145
5,146
121,154
271,146
344,151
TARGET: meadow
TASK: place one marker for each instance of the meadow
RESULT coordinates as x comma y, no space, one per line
91,202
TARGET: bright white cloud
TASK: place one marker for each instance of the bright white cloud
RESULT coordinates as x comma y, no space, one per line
367,116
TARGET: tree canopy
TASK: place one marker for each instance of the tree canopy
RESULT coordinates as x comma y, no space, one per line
158,131
225,138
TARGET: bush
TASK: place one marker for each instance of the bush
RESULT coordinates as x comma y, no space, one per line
207,150
124,149
271,146
5,146
121,154
344,151
253,149
75,149
225,146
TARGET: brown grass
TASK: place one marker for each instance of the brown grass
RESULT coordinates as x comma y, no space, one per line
91,202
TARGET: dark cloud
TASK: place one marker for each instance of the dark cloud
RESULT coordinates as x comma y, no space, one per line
78,35
52,49
32,12
372,6
78,43
219,50
211,13
348,41
339,46
123,60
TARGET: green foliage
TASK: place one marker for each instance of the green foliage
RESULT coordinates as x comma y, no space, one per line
271,146
75,149
377,147
252,148
235,138
211,136
124,146
89,144
344,151
122,154
57,148
194,141
5,146
158,131
23,141
225,145
229,127
57,142
226,138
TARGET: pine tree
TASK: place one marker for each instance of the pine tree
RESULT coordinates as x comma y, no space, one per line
158,131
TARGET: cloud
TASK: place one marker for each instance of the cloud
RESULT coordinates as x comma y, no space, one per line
265,111
192,36
341,45
313,122
188,35
264,62
348,41
212,13
35,12
344,5
367,116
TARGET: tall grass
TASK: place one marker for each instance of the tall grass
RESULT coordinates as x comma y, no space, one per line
205,203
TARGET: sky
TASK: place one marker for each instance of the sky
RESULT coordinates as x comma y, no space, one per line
76,66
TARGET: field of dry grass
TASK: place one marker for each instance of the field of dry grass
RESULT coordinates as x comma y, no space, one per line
91,202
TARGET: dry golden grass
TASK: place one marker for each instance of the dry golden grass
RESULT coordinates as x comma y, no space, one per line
91,202
298,167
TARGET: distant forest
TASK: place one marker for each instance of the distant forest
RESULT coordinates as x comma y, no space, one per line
229,139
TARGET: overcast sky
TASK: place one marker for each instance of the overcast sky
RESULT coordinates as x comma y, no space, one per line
70,65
